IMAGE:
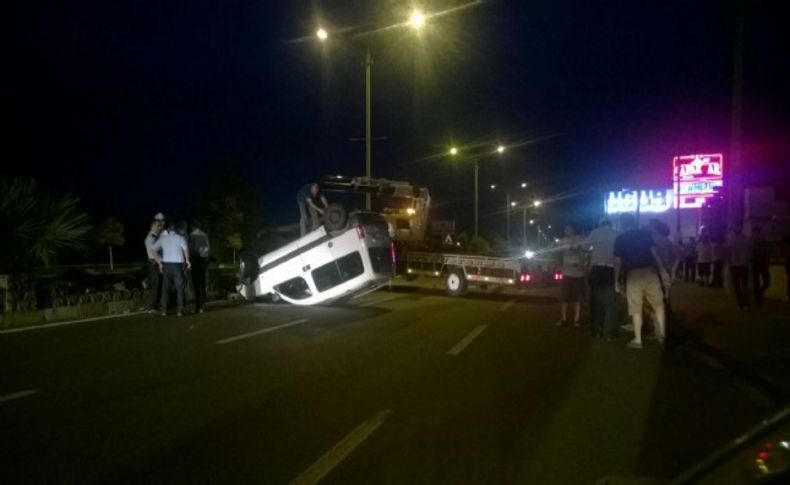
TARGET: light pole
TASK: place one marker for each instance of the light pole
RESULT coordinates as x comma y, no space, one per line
510,204
454,151
416,21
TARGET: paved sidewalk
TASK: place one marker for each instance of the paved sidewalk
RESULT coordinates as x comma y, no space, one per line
757,341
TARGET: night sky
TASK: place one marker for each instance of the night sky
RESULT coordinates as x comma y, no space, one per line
131,104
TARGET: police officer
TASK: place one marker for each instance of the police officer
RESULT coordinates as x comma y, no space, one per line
175,256
154,275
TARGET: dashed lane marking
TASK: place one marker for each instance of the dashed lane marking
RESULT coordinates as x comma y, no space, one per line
332,458
460,346
17,395
261,332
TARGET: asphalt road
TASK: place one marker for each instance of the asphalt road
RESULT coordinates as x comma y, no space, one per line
397,387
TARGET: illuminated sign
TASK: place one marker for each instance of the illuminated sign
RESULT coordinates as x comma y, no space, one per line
639,200
697,178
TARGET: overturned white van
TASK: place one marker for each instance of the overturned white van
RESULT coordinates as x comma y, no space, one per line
326,265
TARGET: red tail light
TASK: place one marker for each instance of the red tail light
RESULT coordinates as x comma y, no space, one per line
557,276
525,278
360,232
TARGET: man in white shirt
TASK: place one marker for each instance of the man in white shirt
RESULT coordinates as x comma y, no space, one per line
174,256
603,298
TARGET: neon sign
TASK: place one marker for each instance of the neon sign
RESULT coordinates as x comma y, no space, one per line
654,201
697,178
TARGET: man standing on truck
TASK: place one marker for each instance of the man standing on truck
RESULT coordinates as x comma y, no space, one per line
308,199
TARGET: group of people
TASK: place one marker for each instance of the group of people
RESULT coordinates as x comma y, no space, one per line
705,258
641,263
637,262
176,256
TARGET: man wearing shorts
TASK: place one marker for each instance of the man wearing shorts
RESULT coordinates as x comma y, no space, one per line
636,257
572,286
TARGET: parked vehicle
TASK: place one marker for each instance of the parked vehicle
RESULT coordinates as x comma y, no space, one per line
345,257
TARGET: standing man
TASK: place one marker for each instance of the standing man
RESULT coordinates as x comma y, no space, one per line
199,252
704,258
636,257
669,255
309,198
572,285
718,256
174,256
690,260
739,255
761,264
603,299
154,275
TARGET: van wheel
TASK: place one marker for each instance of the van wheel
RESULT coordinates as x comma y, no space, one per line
455,282
276,298
335,217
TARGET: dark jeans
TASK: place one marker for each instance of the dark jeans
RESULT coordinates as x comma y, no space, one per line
173,277
690,269
199,267
603,301
740,284
761,279
718,274
305,211
154,282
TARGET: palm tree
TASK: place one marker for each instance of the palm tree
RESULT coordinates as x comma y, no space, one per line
38,228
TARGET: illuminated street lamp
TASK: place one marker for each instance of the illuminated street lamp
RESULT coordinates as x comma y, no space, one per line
513,204
493,186
416,19
321,34
532,221
453,151
500,149
523,185
537,203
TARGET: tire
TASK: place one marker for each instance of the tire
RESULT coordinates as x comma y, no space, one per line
335,217
455,282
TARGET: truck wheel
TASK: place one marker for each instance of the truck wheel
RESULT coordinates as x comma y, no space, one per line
455,282
335,217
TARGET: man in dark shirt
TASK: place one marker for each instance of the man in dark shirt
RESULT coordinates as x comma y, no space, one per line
309,198
636,257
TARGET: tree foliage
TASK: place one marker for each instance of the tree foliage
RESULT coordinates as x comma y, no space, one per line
37,227
228,210
110,233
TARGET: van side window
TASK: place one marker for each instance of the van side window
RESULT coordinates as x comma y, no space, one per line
295,288
342,269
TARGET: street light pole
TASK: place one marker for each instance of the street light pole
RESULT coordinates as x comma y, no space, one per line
524,225
368,140
507,216
477,172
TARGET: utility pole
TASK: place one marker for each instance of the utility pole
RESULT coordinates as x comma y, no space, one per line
507,215
735,193
524,225
368,137
477,173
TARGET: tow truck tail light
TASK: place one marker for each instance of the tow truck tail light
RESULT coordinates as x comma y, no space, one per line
525,278
360,232
557,276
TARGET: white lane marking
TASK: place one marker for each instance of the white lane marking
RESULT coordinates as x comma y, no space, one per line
460,346
506,306
70,322
381,300
261,332
17,395
321,468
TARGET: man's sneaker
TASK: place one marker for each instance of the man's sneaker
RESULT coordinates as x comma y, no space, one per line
634,344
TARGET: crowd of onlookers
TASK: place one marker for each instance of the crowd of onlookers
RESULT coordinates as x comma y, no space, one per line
177,257
642,263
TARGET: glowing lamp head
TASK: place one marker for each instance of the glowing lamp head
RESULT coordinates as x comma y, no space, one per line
453,151
537,203
416,19
513,204
493,186
321,34
529,254
411,211
523,185
500,149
